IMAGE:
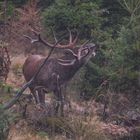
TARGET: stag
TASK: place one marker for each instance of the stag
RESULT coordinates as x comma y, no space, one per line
56,71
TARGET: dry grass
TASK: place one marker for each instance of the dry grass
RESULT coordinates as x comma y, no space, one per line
76,125
80,128
22,131
64,129
73,126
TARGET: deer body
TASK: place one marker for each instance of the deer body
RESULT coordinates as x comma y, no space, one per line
46,76
56,71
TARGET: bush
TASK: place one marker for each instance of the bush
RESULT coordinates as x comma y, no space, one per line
118,61
84,16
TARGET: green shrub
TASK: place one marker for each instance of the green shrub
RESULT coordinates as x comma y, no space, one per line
84,16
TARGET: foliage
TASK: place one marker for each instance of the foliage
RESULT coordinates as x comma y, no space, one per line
5,88
18,2
74,127
84,16
45,3
9,10
116,15
117,64
6,119
4,124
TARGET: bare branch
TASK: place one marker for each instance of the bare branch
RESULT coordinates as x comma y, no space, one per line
54,35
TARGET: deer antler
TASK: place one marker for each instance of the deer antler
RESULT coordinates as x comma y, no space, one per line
59,46
74,54
54,35
70,38
39,39
68,47
72,42
82,49
66,62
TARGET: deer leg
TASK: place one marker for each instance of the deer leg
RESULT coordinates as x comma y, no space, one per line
60,97
34,94
59,103
56,103
65,97
24,111
62,104
35,97
41,96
